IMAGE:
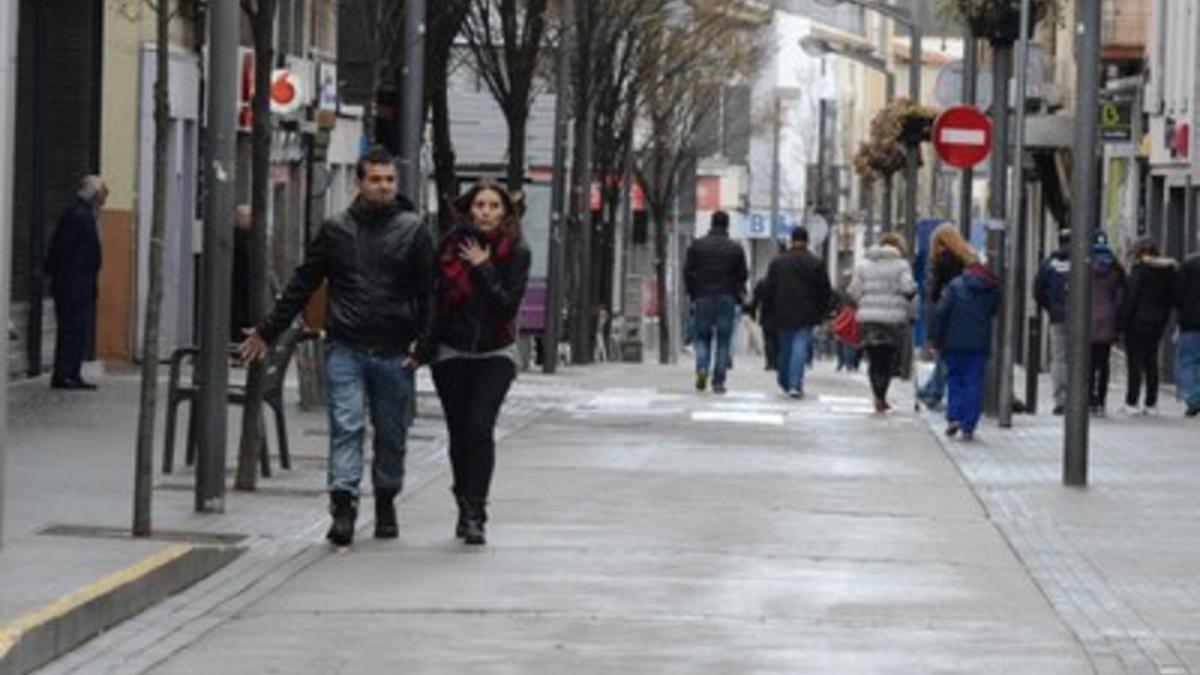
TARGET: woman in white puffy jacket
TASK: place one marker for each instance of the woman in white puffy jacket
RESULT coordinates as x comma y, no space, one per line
883,289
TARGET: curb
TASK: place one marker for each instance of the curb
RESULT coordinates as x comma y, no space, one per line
38,637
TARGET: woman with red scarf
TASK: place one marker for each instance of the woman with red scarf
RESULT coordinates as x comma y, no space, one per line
484,265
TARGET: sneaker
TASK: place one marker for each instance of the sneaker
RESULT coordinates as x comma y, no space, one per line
701,381
1192,411
951,429
1150,411
718,387
968,436
1059,410
796,394
1131,410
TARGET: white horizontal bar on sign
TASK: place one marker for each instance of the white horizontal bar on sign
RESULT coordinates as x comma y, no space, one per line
964,136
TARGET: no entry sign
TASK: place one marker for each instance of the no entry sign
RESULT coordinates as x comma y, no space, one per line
962,136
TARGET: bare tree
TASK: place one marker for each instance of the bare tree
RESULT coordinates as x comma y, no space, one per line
684,60
444,22
377,23
506,38
262,26
147,407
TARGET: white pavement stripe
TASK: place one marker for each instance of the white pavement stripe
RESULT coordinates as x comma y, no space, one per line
773,419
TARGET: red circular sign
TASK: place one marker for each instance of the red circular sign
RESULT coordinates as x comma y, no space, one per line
962,136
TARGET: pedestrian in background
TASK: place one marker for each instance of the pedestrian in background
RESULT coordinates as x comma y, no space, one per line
800,296
1149,298
1050,293
483,268
759,310
1187,351
962,333
714,275
949,255
1108,286
73,265
378,259
883,290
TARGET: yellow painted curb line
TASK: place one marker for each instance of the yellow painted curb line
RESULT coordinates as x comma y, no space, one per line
11,632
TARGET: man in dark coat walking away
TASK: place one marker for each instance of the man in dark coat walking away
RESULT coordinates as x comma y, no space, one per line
378,259
715,276
799,296
72,265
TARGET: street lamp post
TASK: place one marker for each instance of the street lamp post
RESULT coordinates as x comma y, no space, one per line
817,46
905,18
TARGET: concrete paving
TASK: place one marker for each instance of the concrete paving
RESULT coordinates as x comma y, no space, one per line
639,527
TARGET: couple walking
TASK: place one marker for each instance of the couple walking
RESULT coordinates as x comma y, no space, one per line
396,303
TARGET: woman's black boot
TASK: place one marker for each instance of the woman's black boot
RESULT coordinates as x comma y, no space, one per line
460,528
473,525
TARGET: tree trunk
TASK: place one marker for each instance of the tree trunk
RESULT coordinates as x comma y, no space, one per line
252,436
659,213
443,27
517,117
147,409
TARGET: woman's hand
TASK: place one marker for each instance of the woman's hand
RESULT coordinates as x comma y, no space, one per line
473,253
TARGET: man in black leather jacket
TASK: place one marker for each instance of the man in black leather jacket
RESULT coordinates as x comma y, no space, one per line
715,276
378,260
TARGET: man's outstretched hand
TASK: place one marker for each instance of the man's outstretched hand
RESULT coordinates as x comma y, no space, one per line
253,348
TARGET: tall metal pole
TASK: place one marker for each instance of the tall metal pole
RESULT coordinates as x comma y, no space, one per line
1085,188
997,201
555,277
9,22
776,168
912,169
412,105
886,220
1016,224
224,30
41,153
969,86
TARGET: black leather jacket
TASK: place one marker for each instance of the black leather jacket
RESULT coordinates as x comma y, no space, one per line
380,267
487,321
716,265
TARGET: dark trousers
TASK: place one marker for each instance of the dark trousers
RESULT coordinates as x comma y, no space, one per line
882,367
1099,380
472,391
964,387
70,340
1141,360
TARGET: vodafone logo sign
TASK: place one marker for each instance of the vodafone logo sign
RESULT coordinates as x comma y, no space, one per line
287,92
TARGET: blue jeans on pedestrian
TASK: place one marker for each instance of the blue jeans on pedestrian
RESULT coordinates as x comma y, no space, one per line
1187,367
964,387
794,346
713,318
935,387
361,380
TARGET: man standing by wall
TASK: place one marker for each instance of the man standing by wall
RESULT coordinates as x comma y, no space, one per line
378,259
715,277
799,296
1050,292
72,265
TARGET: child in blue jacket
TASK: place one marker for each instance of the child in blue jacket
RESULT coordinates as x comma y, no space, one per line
962,330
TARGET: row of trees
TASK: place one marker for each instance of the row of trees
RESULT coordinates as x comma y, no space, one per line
645,74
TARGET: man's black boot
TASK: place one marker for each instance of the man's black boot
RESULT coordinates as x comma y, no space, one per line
473,526
460,528
341,505
386,526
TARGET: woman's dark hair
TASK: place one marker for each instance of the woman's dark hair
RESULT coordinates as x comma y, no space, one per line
511,223
1142,247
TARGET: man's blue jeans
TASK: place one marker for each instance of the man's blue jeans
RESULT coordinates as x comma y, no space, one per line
358,380
794,347
1187,367
713,317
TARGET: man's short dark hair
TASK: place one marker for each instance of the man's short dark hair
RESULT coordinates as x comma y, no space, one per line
377,155
800,235
720,221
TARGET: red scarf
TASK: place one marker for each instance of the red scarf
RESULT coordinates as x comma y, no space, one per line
457,272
